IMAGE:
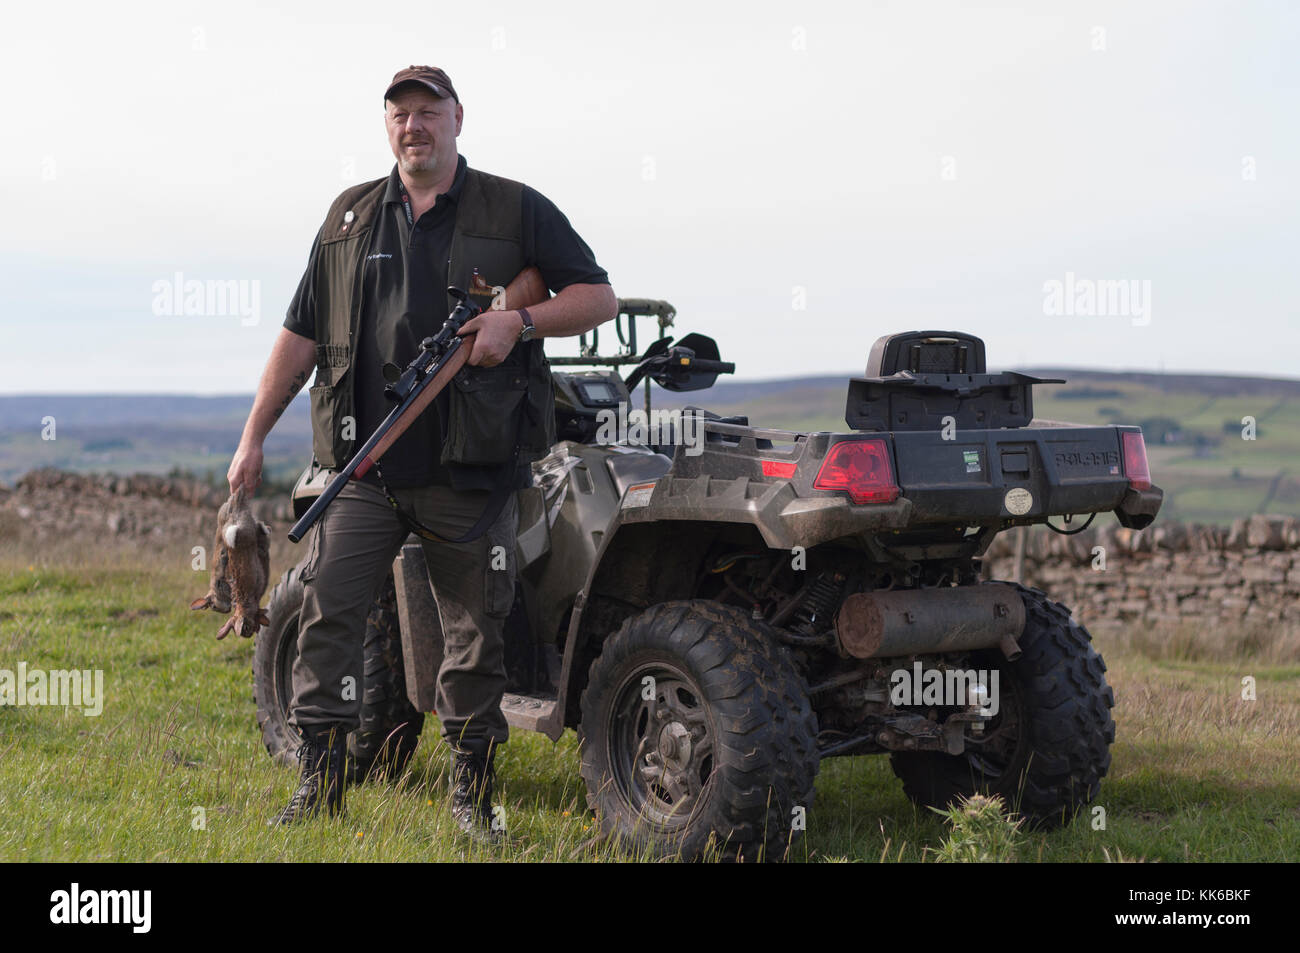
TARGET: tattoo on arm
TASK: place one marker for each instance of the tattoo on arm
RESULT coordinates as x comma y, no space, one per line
294,386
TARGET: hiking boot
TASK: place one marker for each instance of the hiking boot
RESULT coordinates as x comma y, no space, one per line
321,759
471,792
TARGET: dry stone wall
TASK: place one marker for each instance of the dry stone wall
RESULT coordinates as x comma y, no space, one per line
1167,573
45,504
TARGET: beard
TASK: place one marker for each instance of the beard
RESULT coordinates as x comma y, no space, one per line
408,164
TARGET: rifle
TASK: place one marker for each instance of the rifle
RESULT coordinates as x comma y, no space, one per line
439,360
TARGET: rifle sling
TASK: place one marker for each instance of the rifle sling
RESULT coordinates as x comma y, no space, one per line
495,504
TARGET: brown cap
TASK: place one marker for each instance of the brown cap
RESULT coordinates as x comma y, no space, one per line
430,77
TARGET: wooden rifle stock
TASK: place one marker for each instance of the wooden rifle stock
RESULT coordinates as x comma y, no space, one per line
525,290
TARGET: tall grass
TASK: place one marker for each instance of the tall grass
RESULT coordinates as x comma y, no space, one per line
174,768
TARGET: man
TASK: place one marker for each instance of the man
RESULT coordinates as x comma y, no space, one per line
375,286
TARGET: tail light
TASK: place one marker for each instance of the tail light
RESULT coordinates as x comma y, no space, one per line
862,468
1135,460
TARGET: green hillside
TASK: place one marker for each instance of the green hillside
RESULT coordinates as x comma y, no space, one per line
1193,425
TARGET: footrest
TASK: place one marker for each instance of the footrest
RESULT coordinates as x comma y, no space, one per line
527,711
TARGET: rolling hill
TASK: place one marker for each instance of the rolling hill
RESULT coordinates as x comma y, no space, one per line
1194,427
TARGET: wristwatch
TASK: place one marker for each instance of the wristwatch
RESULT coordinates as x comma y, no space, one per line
527,332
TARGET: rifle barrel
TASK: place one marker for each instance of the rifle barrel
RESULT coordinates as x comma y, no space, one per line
365,458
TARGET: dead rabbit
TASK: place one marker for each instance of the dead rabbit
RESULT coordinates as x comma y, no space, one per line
241,567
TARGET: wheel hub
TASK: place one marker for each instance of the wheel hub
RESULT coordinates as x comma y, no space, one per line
668,738
675,745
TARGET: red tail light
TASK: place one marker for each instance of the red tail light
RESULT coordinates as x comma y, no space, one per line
1135,460
862,467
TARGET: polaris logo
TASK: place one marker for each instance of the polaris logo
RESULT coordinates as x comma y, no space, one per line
1091,458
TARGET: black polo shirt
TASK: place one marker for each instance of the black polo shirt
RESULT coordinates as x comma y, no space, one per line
405,300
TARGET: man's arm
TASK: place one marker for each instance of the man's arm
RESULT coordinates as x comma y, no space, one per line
575,310
290,364
584,299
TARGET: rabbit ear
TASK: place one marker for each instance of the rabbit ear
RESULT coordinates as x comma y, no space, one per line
202,602
238,496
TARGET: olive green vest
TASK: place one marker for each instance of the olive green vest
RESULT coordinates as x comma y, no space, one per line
486,238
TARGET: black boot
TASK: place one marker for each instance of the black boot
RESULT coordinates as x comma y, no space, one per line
471,792
321,759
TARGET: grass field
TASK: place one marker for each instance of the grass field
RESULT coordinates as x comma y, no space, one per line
1198,774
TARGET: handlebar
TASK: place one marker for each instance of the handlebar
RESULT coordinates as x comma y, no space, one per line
721,367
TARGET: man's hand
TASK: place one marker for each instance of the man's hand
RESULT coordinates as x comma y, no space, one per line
246,468
495,335
575,310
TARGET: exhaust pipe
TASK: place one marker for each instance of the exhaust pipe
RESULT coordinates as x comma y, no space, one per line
931,621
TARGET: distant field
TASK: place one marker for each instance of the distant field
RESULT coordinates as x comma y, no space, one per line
154,434
1193,427
1198,774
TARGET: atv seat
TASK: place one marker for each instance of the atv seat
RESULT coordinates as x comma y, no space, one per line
628,469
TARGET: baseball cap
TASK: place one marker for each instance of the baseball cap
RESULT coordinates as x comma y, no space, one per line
430,77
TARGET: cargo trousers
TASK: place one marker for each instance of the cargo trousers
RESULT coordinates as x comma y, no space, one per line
350,553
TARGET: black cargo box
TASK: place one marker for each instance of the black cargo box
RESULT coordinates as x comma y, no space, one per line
916,379
921,402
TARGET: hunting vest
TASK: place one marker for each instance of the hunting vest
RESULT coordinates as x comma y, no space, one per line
485,427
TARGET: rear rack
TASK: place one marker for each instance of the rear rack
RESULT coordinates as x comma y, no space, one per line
761,433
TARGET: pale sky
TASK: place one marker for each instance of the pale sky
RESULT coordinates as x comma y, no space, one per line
797,179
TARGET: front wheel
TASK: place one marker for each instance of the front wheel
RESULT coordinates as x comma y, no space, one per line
1048,747
697,727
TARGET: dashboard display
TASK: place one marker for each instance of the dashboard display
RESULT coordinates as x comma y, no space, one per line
597,393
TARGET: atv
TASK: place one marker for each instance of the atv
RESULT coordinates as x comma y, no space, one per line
715,616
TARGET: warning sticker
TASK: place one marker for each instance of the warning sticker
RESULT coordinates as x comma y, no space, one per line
972,458
638,495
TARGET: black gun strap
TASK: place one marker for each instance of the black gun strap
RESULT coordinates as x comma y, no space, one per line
495,504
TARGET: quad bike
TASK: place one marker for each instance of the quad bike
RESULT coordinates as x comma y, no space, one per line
716,617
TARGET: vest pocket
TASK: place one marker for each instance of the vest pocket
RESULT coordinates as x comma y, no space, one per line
483,416
323,408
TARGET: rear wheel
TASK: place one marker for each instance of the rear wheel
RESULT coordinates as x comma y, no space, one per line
696,726
1048,748
390,725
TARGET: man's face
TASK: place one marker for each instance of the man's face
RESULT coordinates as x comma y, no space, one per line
422,130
